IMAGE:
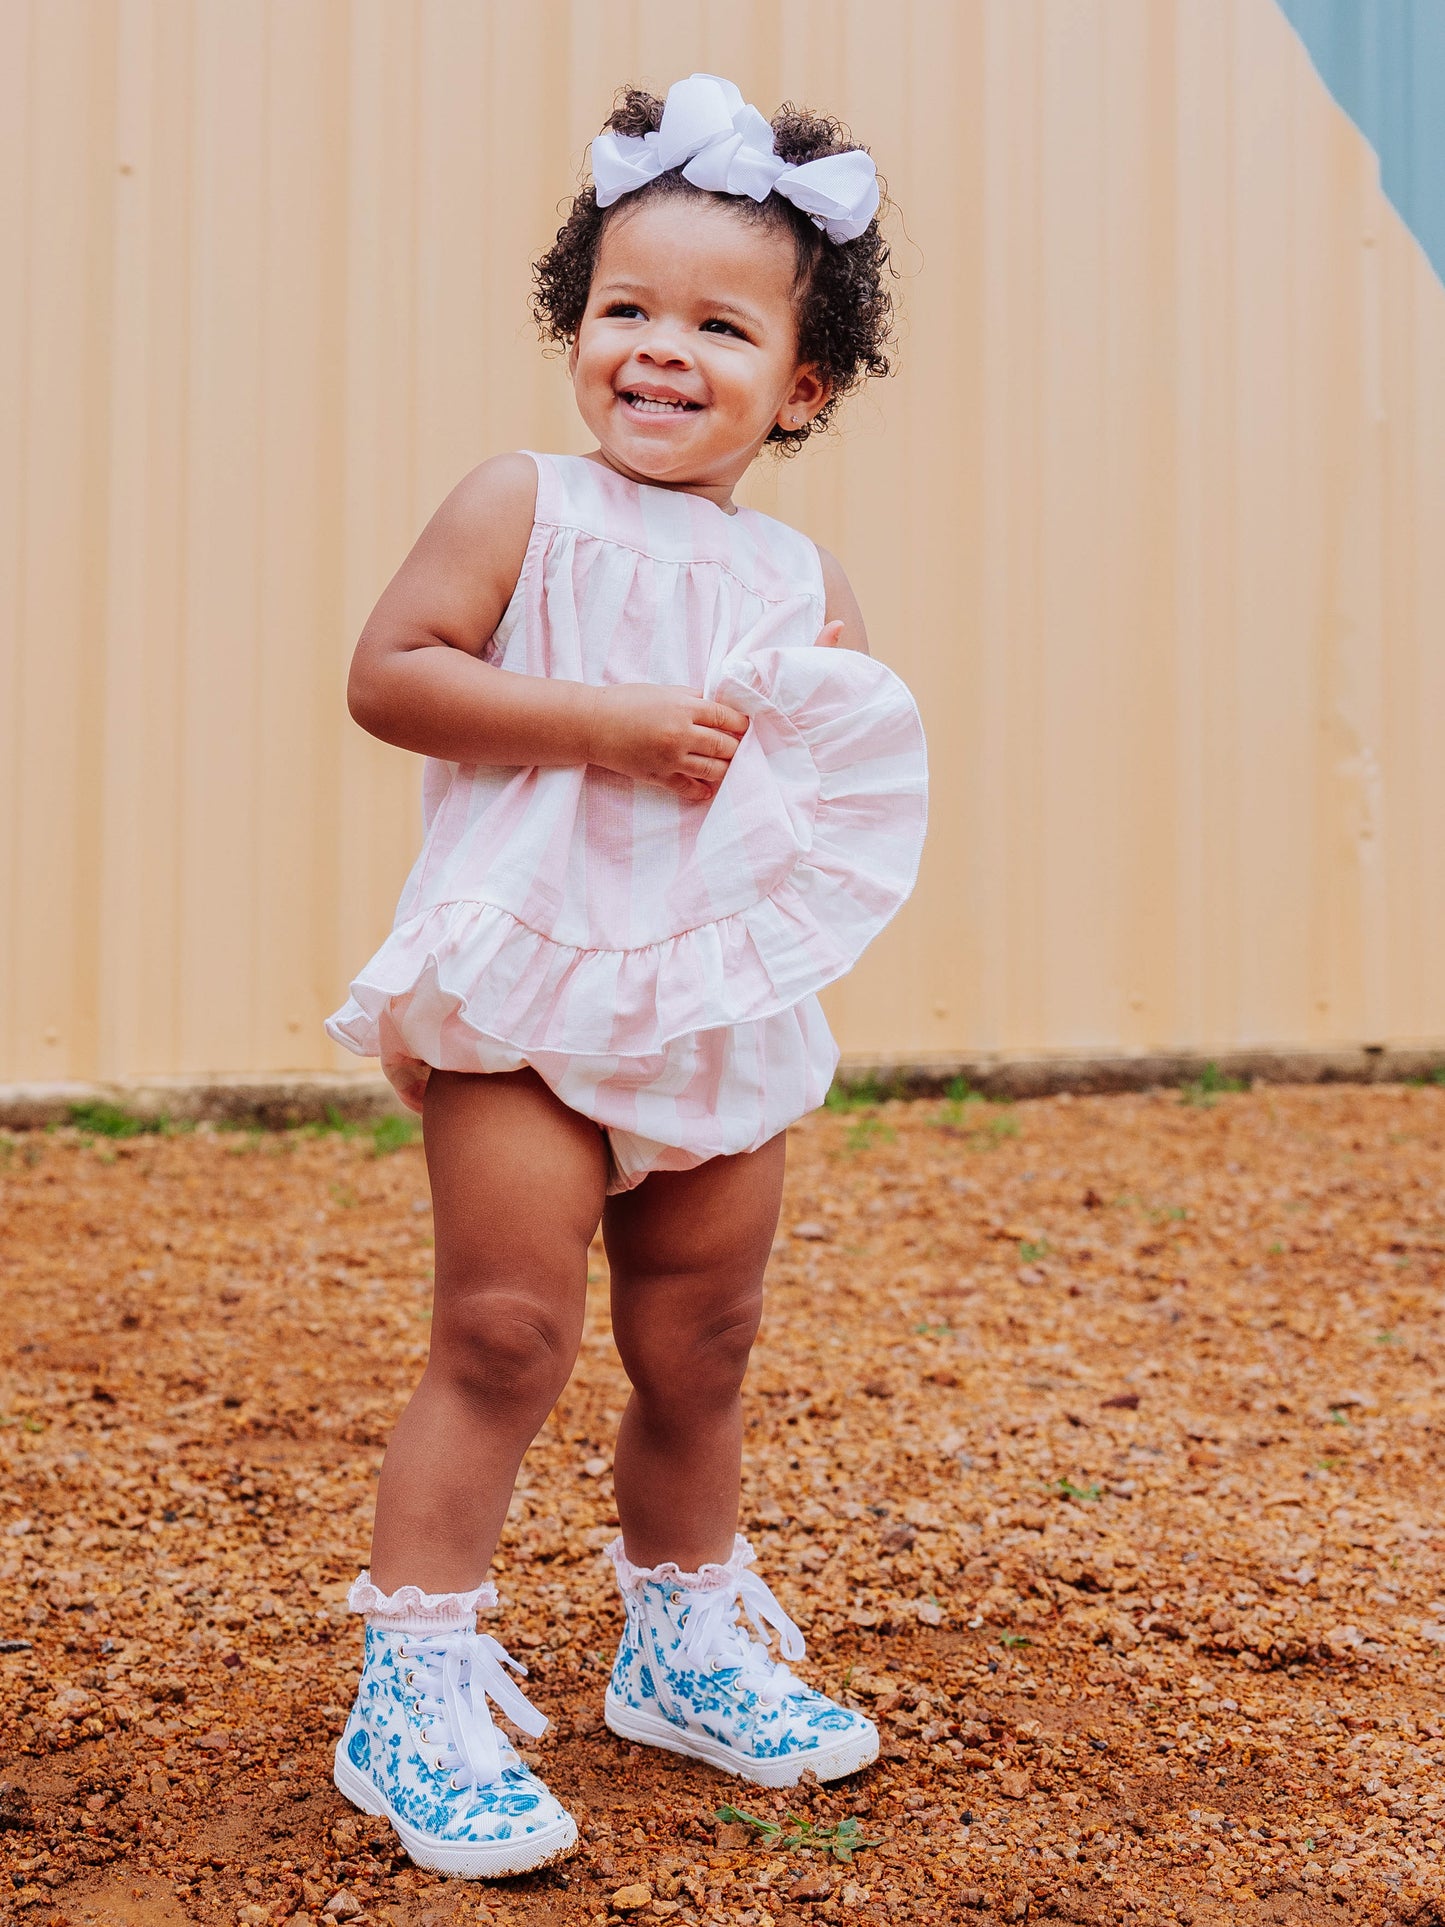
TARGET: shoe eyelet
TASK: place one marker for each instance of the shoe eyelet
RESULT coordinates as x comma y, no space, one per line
674,1599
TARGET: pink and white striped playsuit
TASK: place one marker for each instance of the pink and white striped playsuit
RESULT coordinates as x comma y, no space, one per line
655,960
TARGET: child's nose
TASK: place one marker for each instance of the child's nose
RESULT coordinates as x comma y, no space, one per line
664,349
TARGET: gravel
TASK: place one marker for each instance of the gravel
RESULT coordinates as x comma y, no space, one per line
1094,1443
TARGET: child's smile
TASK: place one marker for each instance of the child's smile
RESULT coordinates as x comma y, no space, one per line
658,401
686,358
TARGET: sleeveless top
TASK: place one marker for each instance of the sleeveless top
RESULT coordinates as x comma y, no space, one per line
609,932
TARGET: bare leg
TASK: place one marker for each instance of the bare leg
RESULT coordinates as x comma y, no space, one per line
518,1183
688,1250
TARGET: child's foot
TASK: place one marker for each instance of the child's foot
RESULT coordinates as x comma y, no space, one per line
420,1748
689,1678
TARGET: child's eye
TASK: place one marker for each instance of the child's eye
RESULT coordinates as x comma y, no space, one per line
623,310
726,326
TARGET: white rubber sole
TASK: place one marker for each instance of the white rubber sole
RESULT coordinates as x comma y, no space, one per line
471,1862
826,1762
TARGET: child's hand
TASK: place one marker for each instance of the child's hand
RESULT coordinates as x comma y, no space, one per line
830,636
669,736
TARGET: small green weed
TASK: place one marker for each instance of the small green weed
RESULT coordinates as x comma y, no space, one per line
393,1133
959,1099
1011,1640
343,1195
863,1095
1088,1493
331,1123
925,1330
1210,1083
109,1120
841,1841
866,1131
1437,1076
1276,1250
965,1112
1030,1252
1388,1338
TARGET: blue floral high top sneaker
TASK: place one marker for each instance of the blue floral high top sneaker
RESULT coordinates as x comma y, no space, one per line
420,1747
690,1677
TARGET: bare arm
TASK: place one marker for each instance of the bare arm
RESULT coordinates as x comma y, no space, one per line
842,606
417,679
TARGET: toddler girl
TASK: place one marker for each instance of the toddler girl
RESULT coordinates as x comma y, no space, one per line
658,819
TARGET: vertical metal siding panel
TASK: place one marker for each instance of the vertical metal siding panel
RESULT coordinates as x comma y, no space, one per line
1350,812
299,687
140,793
1274,656
221,879
62,520
126,879
1009,192
156,763
379,799
462,275
1137,540
17,138
1069,683
1018,456
1209,594
1414,566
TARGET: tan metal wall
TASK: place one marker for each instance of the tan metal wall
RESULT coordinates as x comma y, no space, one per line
1153,519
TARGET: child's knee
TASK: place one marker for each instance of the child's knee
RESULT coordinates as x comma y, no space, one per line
504,1349
695,1367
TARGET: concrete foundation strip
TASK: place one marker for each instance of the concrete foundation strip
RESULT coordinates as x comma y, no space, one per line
273,1101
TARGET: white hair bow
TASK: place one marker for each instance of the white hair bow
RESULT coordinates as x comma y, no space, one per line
728,149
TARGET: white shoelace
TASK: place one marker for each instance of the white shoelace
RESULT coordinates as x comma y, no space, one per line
451,1676
713,1634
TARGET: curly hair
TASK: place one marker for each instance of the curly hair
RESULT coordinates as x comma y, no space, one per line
844,307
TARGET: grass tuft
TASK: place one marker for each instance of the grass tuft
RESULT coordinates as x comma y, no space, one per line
1087,1493
841,1841
865,1094
1210,1084
394,1134
109,1120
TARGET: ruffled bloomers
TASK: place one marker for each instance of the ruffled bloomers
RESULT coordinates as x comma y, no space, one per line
810,845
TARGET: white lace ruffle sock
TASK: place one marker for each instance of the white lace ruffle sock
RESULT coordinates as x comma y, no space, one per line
708,1578
410,1610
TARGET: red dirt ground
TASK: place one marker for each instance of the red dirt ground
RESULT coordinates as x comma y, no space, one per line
1094,1443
